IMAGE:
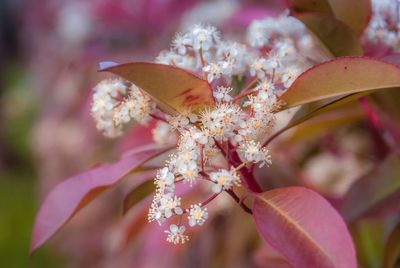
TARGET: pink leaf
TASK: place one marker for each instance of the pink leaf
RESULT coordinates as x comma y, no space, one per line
375,194
71,195
304,227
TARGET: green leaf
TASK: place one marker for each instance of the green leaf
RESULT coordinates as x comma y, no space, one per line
173,89
392,249
335,37
313,109
324,124
368,236
137,194
339,77
354,14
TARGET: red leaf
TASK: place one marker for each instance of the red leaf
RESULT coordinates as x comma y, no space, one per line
304,227
342,76
71,195
136,137
173,88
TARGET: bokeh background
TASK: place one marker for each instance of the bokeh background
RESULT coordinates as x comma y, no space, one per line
49,53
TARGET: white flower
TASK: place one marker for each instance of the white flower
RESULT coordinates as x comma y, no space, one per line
262,101
163,135
139,105
224,179
178,122
273,62
197,215
289,76
259,67
164,205
204,37
176,234
384,26
104,103
221,121
170,205
285,49
233,57
115,102
213,71
253,152
201,137
221,94
259,31
181,42
165,180
173,58
121,114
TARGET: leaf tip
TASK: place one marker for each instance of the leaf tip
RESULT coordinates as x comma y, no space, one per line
103,65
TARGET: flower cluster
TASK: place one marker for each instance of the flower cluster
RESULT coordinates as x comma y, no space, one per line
116,102
219,144
384,27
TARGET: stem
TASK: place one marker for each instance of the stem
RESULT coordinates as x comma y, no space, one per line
203,63
246,173
276,134
158,118
273,75
202,157
240,166
251,83
211,198
220,148
238,200
234,160
380,126
243,94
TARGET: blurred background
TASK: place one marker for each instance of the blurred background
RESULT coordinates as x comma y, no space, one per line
49,51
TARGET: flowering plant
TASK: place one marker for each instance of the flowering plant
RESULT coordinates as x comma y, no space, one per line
216,102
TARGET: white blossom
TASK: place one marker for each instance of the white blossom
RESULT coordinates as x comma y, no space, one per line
163,207
289,76
176,234
384,26
222,94
116,102
203,37
224,179
213,71
181,42
253,152
197,215
259,72
163,134
259,67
